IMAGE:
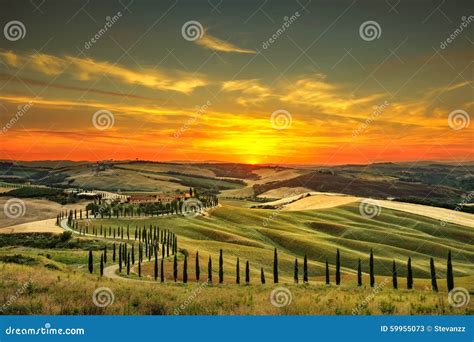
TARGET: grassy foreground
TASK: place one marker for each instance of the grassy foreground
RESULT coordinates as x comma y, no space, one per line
59,293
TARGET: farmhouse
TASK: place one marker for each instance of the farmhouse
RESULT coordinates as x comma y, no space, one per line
136,199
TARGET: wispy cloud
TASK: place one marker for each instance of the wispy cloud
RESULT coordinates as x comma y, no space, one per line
217,44
316,92
90,69
251,90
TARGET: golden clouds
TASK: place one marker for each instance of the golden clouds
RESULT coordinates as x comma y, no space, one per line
251,91
217,44
90,69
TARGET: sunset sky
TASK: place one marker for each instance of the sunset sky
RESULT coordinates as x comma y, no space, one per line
335,97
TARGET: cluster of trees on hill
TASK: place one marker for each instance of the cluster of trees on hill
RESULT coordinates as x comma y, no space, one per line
150,242
101,209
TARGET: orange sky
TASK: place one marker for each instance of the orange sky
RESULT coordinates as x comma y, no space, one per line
224,97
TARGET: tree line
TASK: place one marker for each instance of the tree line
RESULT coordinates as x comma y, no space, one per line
127,258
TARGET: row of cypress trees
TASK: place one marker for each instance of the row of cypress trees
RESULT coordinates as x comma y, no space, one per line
127,257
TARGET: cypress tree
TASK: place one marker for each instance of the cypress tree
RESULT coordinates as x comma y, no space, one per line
221,268
185,269
237,272
295,276
162,271
113,253
394,275
449,273
327,272
305,269
247,273
198,269
139,269
434,283
128,263
120,258
371,266
359,274
338,267
209,270
409,275
175,268
91,262
105,254
101,265
133,254
155,269
275,267
262,276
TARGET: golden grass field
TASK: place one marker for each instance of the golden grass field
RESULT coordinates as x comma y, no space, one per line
61,284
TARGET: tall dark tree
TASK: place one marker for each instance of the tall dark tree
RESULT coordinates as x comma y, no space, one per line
139,268
133,254
275,266
162,271
113,253
394,275
247,272
262,276
434,283
409,274
449,273
209,270
221,268
175,268
295,274
155,268
101,265
338,267
371,268
105,254
128,263
198,269
91,262
120,258
185,269
237,272
305,269
359,274
327,272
